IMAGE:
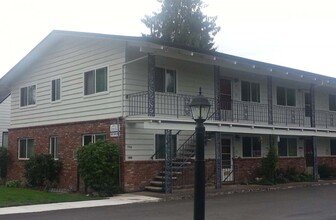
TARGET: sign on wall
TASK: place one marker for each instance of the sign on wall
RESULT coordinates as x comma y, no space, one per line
114,130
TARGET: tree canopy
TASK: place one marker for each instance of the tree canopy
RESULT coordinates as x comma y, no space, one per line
182,22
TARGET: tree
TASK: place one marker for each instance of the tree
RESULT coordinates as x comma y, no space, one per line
183,23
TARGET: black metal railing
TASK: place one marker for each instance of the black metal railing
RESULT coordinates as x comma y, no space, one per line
177,105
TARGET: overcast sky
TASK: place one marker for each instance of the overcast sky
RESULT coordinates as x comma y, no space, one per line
295,33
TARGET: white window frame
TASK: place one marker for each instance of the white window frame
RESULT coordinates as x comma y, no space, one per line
26,148
286,96
58,90
252,147
4,139
287,146
53,142
95,81
27,96
250,91
93,137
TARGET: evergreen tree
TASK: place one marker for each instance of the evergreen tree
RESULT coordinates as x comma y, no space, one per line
183,23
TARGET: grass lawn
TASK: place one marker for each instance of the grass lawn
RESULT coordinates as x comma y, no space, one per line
20,196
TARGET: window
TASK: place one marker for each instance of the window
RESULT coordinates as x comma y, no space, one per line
55,90
28,96
160,149
53,147
308,105
165,80
251,147
250,92
287,147
286,96
95,81
92,138
332,102
5,139
26,148
333,147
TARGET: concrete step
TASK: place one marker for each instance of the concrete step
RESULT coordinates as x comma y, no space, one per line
174,173
157,183
163,177
154,188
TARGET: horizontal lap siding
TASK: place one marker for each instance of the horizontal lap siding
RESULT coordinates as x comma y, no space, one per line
68,59
4,116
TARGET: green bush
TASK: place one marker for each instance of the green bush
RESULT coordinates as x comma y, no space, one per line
99,166
42,170
3,162
13,184
269,165
326,172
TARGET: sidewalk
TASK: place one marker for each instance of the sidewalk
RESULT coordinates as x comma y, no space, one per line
144,196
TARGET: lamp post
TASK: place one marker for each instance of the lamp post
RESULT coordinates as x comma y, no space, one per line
200,107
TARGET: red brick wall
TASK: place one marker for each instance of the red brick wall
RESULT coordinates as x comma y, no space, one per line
138,174
331,161
69,139
248,169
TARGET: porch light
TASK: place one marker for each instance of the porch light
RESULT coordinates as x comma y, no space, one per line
200,107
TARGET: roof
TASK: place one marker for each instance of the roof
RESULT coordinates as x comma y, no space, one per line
48,41
4,93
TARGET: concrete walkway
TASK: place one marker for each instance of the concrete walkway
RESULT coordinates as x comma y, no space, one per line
116,200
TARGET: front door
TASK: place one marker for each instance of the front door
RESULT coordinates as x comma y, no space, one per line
225,94
309,155
227,168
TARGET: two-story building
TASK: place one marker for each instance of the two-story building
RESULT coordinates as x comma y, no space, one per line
76,88
5,101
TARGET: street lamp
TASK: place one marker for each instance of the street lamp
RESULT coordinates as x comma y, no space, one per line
200,107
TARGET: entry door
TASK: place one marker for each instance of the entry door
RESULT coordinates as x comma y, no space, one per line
227,169
225,94
309,155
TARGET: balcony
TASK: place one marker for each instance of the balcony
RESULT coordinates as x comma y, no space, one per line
177,106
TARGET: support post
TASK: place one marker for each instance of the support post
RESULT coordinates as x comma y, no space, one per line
151,85
270,100
199,191
312,106
217,93
168,162
315,163
218,155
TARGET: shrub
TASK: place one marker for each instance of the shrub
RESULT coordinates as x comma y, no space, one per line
99,166
13,184
326,172
42,170
3,162
269,164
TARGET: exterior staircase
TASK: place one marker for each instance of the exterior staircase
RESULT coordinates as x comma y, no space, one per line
183,158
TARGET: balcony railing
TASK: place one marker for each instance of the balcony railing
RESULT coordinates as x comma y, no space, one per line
177,106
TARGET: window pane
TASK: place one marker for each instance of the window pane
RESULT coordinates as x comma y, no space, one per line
159,80
23,96
30,148
55,89
282,147
5,139
101,82
245,91
256,147
100,137
87,139
171,81
31,95
22,149
54,147
292,147
332,102
89,82
291,99
333,147
247,148
281,96
255,90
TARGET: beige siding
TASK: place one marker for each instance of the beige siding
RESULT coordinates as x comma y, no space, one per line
4,116
67,60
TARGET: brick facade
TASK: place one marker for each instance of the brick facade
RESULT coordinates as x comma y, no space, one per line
247,169
69,137
331,161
